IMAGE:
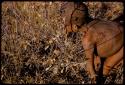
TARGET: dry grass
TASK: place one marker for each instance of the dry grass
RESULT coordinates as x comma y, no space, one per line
35,49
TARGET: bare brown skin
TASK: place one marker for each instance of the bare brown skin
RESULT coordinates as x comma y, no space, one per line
74,13
108,37
97,63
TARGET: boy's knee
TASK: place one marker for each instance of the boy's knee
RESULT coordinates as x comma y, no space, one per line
106,70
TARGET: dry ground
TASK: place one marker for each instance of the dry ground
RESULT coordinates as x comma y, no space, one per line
35,49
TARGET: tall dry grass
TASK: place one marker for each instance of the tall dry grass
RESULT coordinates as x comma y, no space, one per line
35,49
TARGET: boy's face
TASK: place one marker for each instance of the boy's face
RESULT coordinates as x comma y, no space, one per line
72,14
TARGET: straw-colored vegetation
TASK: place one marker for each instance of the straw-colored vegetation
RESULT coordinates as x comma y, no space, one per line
35,49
